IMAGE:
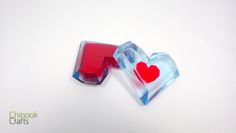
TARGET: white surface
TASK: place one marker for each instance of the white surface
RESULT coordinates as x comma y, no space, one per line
39,41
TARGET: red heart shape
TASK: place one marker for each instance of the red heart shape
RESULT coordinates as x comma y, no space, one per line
148,74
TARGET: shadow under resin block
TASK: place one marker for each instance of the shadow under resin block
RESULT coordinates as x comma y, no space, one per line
147,75
93,62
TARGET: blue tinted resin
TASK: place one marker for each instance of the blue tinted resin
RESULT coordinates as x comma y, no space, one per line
128,55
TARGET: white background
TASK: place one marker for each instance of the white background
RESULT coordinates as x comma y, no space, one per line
39,41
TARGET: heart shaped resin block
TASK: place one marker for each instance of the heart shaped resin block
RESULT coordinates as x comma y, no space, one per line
93,62
147,75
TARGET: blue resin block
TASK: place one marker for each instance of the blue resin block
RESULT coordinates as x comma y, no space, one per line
147,75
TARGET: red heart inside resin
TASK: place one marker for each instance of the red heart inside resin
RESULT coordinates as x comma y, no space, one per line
148,74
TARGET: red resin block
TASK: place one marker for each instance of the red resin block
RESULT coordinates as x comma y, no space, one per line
93,62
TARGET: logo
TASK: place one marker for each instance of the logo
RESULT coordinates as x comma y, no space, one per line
21,118
148,75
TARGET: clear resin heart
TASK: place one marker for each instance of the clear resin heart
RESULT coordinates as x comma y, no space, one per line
147,75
